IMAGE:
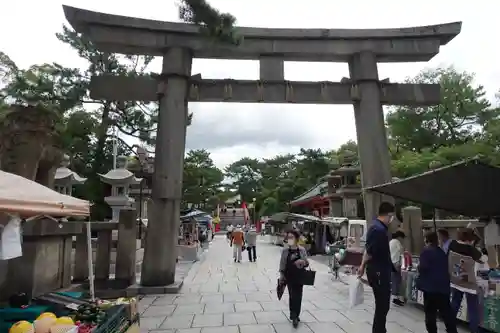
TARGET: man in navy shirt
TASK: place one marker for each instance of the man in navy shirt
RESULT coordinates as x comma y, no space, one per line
378,264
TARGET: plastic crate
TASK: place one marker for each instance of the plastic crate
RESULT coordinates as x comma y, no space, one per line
116,320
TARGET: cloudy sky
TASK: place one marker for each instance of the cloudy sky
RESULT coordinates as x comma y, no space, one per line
232,131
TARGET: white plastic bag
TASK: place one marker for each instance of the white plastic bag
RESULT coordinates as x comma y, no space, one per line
10,239
356,291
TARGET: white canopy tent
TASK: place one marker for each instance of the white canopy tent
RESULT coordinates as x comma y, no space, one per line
28,199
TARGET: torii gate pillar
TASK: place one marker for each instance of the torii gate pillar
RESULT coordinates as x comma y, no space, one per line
370,130
160,252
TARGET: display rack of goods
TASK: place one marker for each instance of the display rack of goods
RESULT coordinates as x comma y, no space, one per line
45,323
491,314
89,316
116,320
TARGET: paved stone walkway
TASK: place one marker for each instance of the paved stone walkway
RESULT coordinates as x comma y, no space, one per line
220,296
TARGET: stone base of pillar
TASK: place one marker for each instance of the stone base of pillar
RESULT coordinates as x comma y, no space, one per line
173,288
158,268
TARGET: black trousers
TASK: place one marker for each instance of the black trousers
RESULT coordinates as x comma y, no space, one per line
381,285
434,303
252,253
295,292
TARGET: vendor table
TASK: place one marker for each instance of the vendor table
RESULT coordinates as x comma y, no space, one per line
489,306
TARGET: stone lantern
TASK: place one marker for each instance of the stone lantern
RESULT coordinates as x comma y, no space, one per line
349,189
334,183
65,178
120,180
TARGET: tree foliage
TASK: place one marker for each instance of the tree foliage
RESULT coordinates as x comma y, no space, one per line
219,26
276,181
202,179
86,125
460,117
462,126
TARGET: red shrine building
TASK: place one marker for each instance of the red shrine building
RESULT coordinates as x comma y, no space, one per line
314,201
338,194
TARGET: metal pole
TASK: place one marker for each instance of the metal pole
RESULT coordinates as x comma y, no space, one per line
434,219
90,261
140,206
115,146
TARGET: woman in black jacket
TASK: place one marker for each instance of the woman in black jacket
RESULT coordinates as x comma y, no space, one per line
293,260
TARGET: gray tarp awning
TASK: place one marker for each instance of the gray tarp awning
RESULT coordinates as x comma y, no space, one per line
283,216
470,188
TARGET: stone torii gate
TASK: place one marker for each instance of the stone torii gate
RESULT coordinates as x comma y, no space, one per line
179,43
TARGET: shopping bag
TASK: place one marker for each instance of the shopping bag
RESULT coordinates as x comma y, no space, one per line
11,239
308,277
356,291
280,289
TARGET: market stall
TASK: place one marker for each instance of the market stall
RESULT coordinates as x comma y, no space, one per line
334,229
306,224
276,228
21,200
205,232
469,188
189,245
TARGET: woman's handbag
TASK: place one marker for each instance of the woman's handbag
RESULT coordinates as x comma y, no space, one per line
280,289
307,277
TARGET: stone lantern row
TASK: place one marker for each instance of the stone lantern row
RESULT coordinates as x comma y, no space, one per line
120,179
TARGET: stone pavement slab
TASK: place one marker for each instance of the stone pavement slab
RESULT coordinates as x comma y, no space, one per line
220,296
231,319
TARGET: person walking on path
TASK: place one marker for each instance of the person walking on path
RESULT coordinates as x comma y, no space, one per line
251,242
293,260
378,265
237,242
397,249
434,281
229,233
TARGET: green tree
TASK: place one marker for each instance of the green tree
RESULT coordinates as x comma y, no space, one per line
312,165
246,176
202,179
83,134
462,114
217,25
462,126
276,181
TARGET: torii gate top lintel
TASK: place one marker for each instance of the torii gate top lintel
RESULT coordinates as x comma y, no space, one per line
122,34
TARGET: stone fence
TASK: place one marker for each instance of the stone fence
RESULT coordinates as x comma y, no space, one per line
116,251
414,228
